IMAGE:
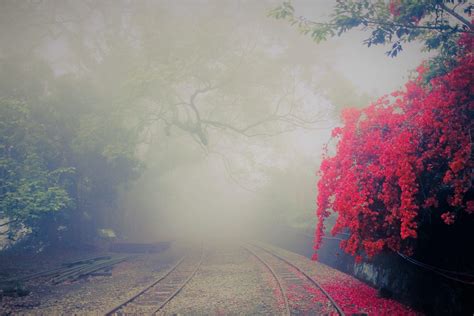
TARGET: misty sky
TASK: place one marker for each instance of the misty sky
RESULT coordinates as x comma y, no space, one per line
369,69
258,173
235,175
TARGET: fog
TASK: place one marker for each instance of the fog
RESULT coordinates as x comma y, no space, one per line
229,109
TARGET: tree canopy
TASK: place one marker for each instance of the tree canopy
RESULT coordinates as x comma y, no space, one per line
437,23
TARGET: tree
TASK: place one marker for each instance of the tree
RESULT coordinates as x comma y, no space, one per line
65,156
438,23
128,75
28,187
403,163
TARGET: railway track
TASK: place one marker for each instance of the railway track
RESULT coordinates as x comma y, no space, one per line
154,297
291,280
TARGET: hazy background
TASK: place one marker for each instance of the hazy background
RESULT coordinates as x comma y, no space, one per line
244,182
145,61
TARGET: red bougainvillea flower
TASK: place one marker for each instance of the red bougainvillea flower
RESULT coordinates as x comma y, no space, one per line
448,218
405,155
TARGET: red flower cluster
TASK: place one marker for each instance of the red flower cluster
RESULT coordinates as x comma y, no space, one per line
448,218
404,13
356,298
394,7
407,155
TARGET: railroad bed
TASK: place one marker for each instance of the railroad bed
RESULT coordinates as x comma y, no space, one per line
153,298
295,287
216,279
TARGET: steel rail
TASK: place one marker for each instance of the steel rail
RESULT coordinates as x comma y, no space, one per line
155,283
275,276
182,285
309,278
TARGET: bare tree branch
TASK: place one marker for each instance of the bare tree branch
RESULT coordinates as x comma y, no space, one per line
229,172
457,16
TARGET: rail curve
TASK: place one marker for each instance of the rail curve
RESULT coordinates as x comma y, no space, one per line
289,277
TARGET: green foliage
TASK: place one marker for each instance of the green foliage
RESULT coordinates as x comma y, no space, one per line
28,187
64,153
436,22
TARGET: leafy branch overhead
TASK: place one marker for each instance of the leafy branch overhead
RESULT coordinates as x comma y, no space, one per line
438,23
